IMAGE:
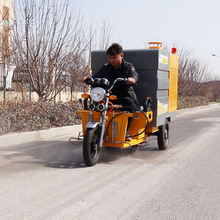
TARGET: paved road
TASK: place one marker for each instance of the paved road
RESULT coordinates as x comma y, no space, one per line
47,179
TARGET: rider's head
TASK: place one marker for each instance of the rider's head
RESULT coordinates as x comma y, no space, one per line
115,55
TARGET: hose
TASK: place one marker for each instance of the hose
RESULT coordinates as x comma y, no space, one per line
127,112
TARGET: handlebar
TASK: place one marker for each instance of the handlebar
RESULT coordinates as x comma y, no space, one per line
103,82
117,80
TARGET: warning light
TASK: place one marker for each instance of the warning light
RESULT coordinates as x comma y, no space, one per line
174,50
155,45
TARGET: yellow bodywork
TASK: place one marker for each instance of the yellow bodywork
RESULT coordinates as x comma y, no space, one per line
116,128
115,131
173,83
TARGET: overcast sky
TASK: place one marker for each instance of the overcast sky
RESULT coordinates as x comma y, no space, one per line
191,24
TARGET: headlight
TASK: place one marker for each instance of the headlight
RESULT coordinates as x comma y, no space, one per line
97,94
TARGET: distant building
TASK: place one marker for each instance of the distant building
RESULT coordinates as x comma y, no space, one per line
6,36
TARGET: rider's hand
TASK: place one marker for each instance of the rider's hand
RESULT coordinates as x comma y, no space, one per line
83,79
130,80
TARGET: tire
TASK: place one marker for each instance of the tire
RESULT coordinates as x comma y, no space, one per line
163,136
91,151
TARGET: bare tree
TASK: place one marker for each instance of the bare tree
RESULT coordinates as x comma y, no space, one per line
214,89
49,42
105,35
192,74
99,39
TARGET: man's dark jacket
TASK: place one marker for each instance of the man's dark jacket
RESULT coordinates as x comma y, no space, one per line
124,71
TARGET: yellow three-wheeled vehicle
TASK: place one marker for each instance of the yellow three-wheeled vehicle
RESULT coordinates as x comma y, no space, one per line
105,124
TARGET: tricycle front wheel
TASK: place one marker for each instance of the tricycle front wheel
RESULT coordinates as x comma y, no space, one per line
163,136
91,150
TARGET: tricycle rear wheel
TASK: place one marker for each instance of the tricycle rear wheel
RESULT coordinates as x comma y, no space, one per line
91,150
163,136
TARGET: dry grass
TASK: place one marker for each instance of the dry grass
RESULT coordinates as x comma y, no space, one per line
31,116
191,101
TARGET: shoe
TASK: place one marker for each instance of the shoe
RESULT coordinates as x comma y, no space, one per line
127,138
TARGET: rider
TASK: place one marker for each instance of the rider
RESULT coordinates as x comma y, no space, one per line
119,68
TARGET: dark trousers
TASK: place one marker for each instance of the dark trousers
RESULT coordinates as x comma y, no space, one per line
127,103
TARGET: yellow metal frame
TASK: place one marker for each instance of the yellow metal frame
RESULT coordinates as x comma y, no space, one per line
117,128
